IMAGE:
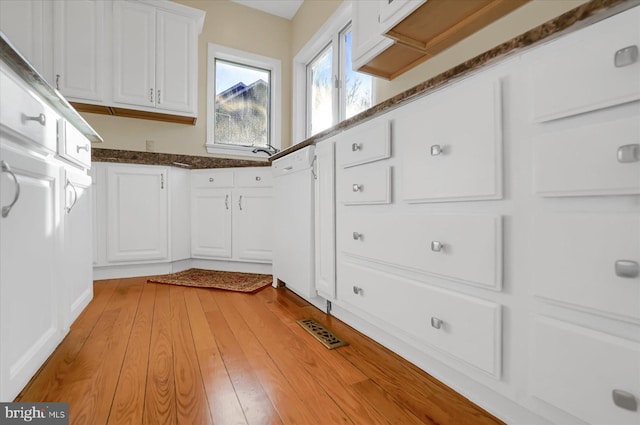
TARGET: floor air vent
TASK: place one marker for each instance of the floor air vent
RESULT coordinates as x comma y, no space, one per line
321,333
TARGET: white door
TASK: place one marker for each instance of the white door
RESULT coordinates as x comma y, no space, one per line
176,58
78,48
30,325
252,225
78,243
325,220
134,58
211,223
137,206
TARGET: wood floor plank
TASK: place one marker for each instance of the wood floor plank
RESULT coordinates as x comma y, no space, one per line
221,395
191,400
160,405
128,402
383,403
286,400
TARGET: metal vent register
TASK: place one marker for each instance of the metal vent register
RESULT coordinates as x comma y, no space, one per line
319,332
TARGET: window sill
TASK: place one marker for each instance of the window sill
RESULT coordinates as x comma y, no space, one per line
242,151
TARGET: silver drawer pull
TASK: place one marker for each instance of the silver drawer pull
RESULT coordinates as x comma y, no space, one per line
437,246
75,196
40,119
436,323
625,56
357,290
357,187
357,236
356,147
240,202
629,153
436,150
624,400
7,208
627,268
258,178
83,148
226,202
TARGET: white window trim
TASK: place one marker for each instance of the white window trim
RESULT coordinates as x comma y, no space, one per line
320,39
251,59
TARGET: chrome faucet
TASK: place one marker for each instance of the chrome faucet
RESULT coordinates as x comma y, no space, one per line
270,150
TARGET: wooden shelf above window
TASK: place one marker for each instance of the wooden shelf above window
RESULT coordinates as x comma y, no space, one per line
434,27
132,113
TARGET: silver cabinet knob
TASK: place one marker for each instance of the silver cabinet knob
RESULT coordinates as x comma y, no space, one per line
437,246
40,119
624,400
627,268
357,187
629,153
356,147
210,179
436,150
83,148
625,56
357,290
258,178
357,236
436,323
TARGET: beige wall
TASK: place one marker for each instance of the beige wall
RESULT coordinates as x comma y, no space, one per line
228,24
310,17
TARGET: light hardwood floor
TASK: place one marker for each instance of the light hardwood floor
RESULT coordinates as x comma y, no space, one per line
146,353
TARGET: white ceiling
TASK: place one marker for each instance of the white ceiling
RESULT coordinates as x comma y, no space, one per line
284,8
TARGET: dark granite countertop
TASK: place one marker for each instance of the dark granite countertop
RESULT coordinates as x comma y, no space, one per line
16,62
183,161
581,16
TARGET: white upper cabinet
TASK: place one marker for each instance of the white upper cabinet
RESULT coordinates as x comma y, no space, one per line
78,59
155,57
368,40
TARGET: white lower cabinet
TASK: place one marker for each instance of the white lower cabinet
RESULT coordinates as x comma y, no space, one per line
31,291
325,219
137,222
231,212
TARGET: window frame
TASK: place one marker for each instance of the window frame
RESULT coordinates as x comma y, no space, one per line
216,51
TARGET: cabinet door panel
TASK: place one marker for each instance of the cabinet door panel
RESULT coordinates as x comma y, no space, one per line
30,325
134,58
253,229
211,223
137,203
79,48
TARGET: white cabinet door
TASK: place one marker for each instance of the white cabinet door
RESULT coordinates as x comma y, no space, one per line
78,243
179,201
211,223
176,74
134,54
25,23
252,227
30,293
79,49
394,11
137,203
325,220
368,40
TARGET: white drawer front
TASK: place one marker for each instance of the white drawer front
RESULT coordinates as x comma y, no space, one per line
73,145
469,328
574,261
24,114
211,178
578,73
451,145
585,160
365,143
254,177
365,185
576,369
462,248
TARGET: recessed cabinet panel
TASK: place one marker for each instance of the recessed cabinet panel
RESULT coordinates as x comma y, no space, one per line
462,248
253,232
365,185
599,159
365,143
581,259
578,370
451,144
466,328
569,79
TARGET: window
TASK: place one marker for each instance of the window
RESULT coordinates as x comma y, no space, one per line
243,100
331,90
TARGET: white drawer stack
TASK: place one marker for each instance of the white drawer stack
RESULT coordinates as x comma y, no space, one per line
411,261
585,232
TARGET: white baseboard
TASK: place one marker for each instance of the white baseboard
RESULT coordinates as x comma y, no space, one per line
120,271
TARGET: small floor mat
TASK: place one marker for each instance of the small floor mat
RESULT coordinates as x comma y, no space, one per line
230,281
322,334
